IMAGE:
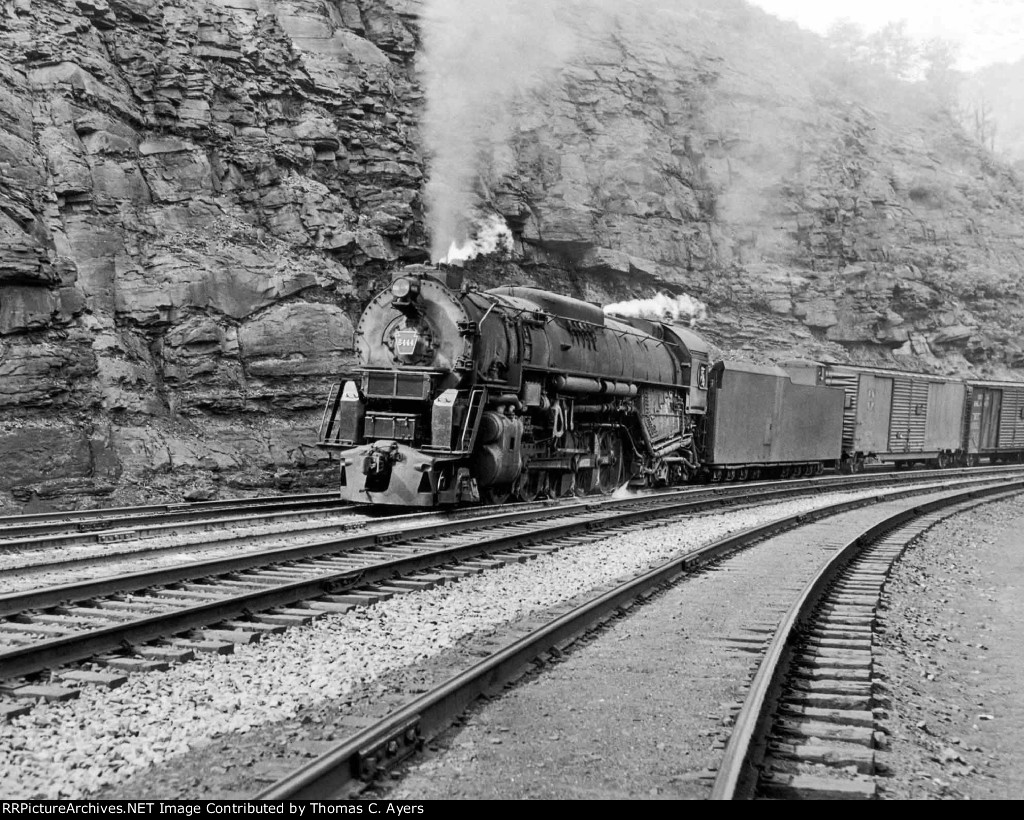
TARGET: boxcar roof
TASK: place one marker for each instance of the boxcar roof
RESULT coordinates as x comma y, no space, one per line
891,371
992,383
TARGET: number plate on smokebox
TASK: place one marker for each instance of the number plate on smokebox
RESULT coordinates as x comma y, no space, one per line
405,342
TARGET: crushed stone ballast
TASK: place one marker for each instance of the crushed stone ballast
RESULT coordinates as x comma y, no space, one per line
246,595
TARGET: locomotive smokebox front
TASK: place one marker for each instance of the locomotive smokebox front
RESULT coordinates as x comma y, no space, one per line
417,323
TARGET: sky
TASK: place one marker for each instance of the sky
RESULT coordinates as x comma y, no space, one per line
987,31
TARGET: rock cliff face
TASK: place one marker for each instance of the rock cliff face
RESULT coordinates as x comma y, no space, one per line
816,212
193,198
197,196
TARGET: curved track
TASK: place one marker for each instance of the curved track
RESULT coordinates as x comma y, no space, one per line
364,754
807,723
246,595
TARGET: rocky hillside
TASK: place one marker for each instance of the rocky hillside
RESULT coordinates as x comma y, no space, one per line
197,196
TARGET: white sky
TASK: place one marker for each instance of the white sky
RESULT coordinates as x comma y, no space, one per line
988,31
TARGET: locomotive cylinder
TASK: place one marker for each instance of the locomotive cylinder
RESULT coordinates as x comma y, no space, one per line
500,459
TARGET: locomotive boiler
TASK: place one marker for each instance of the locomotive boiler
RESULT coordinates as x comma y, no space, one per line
464,395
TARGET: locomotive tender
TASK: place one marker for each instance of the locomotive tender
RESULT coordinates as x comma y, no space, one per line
465,395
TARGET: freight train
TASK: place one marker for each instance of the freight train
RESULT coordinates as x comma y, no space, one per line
514,393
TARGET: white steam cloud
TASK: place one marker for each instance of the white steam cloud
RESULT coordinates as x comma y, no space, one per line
662,307
477,58
492,234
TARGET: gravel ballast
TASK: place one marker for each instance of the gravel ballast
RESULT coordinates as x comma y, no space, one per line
77,748
22,571
952,661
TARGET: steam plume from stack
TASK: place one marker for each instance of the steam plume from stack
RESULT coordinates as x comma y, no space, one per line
478,57
662,307
492,234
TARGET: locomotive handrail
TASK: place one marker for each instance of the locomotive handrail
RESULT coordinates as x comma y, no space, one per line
333,400
479,397
487,313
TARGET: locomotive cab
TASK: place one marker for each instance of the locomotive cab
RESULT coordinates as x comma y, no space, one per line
695,350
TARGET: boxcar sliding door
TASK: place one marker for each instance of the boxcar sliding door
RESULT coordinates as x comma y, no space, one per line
874,402
984,431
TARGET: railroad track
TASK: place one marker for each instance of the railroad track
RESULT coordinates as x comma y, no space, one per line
374,698
808,729
40,531
54,625
362,755
31,559
213,604
62,565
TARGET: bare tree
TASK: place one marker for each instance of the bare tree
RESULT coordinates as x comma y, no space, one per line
938,59
978,118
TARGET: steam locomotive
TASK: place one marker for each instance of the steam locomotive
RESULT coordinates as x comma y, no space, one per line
466,395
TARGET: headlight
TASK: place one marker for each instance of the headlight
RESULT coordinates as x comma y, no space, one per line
403,288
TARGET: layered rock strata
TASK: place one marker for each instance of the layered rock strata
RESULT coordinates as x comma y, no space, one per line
197,197
192,197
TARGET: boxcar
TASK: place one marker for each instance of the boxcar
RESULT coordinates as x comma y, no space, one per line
898,417
995,427
764,418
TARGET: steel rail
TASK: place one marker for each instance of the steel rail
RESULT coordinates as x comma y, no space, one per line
55,534
675,502
403,731
34,657
155,518
104,516
100,513
737,774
